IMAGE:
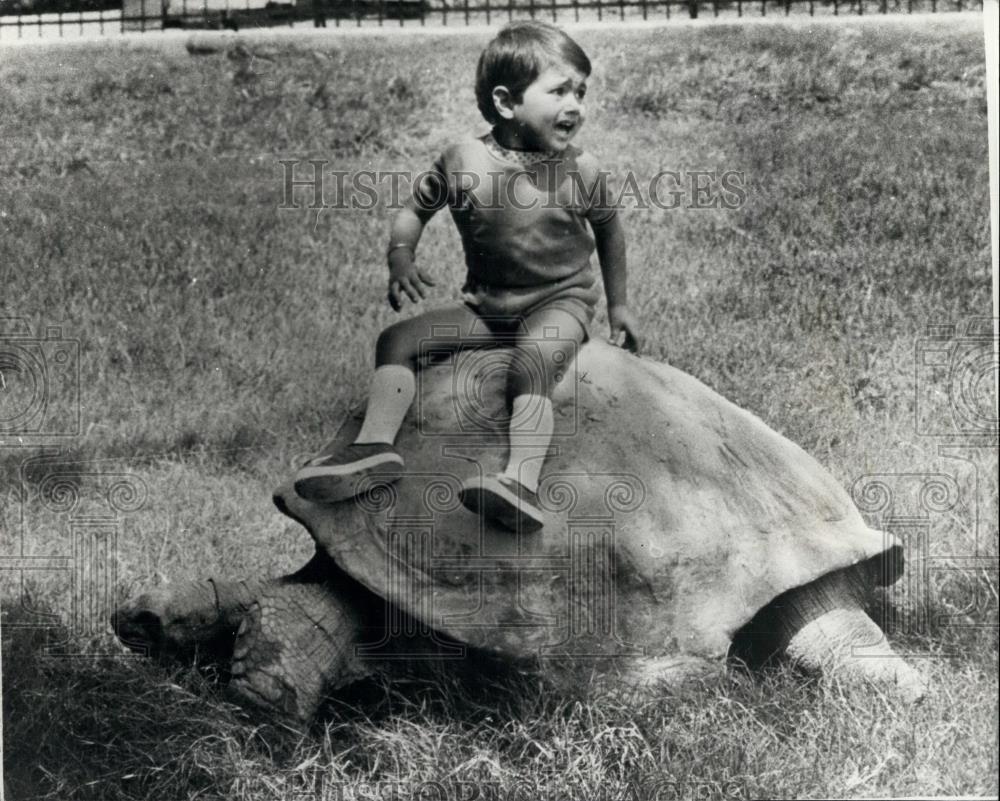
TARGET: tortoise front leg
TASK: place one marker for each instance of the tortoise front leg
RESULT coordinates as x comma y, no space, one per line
295,644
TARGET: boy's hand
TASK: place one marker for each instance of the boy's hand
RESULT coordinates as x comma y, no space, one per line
405,278
622,320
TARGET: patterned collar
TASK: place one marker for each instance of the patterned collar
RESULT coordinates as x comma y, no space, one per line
525,158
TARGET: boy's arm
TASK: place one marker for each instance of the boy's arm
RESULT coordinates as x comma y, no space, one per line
609,236
404,276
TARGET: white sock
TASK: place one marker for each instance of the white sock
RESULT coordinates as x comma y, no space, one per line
531,426
392,391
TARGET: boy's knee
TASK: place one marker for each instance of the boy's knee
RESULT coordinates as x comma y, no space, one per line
395,346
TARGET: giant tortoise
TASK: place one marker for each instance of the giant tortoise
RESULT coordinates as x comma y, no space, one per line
679,530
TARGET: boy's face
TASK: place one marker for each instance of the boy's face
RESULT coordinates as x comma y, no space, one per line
550,112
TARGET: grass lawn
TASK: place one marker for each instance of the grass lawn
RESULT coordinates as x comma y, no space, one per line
221,337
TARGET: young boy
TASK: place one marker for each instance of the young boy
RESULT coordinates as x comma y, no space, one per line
522,198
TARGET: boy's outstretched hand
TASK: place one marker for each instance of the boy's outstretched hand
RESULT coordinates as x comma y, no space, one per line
406,279
622,320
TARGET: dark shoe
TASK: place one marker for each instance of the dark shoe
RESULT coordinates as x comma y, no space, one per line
337,476
504,500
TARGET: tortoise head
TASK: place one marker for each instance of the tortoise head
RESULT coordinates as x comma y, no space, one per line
175,621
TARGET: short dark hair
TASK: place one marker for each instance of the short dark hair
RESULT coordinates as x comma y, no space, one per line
518,55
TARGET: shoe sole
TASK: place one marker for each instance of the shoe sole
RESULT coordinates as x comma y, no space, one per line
500,504
331,485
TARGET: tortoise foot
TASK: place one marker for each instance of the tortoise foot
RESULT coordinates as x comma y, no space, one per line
849,644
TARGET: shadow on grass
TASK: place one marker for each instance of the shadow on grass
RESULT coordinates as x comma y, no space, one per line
238,448
124,727
114,728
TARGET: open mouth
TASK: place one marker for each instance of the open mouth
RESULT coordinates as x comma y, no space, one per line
566,127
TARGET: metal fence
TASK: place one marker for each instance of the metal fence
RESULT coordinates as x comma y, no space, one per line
58,18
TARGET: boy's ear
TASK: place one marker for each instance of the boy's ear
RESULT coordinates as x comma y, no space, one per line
503,102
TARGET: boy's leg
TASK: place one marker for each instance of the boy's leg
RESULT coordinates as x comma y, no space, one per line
544,355
544,352
393,385
334,477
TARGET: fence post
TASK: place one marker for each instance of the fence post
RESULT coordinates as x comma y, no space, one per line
693,8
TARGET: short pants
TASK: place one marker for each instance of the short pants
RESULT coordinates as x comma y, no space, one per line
501,307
